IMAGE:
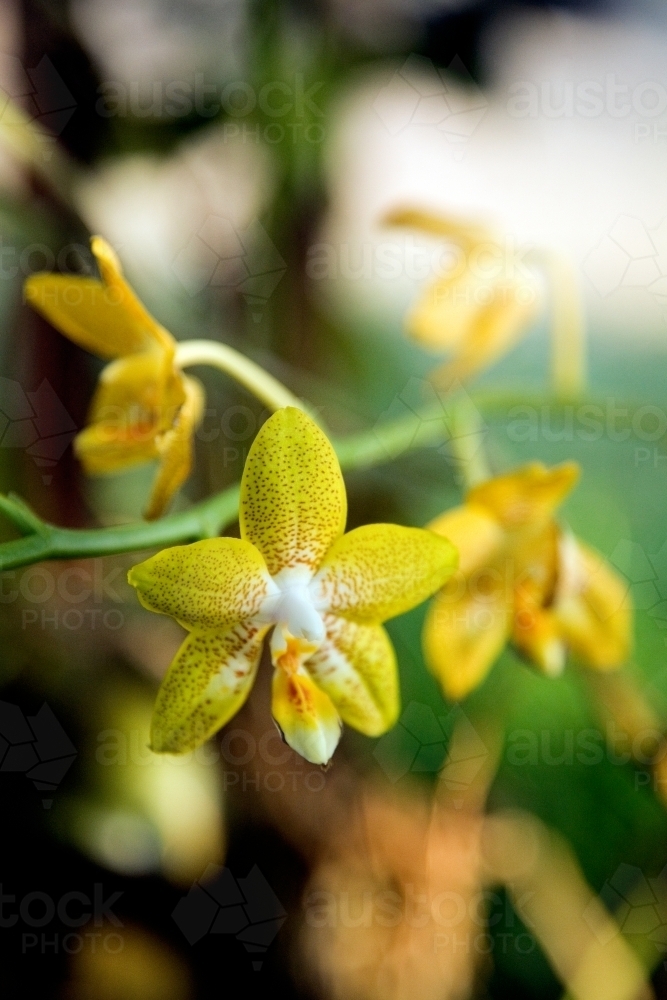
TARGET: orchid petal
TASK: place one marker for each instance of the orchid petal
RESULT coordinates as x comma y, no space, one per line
104,317
210,584
306,716
485,333
463,636
207,683
379,571
175,450
103,449
474,533
137,397
293,503
527,497
356,667
594,611
536,634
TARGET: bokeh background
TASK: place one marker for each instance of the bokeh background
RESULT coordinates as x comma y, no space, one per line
240,157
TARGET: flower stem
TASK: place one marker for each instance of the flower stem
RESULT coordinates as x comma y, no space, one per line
42,540
568,344
265,387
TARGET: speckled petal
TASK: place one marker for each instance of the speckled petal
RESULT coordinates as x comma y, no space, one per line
104,317
463,636
594,610
306,716
526,497
381,570
175,451
207,683
356,667
213,583
293,503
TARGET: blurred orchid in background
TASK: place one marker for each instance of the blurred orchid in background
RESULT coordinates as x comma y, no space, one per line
144,407
523,578
477,310
489,298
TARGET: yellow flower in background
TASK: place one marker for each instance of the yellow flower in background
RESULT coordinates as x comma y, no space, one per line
324,592
523,579
477,311
144,407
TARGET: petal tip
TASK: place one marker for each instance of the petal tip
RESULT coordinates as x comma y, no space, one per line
104,253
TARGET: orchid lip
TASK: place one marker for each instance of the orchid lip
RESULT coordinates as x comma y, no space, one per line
290,607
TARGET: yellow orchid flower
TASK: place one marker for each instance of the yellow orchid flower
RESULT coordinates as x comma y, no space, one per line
144,407
477,311
523,579
324,592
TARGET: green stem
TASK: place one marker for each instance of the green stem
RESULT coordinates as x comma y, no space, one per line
204,520
43,541
265,387
568,328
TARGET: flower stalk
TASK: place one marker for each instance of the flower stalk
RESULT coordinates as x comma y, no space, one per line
260,383
41,540
568,329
